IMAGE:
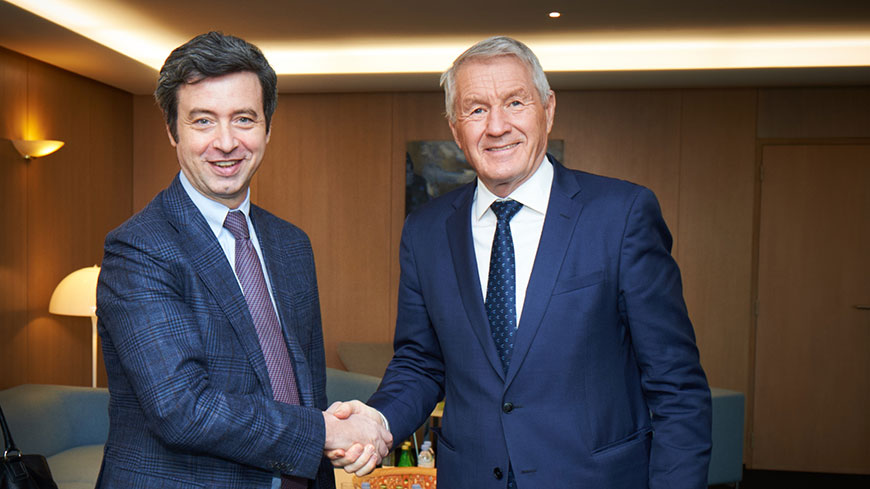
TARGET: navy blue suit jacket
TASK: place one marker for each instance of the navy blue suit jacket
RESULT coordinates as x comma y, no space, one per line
191,402
605,388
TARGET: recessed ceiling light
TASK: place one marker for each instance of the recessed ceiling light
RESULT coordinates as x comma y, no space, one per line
555,15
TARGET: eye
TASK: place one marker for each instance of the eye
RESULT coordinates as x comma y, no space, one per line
515,103
201,122
244,120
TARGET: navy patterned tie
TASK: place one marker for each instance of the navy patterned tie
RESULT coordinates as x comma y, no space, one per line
501,288
266,322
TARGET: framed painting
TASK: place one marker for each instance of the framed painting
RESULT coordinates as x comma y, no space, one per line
433,168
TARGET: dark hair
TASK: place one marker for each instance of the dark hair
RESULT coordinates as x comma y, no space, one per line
210,55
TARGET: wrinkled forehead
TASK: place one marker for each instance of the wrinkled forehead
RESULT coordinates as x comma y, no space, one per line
500,76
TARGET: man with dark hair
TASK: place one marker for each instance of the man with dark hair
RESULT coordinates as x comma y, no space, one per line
544,306
208,306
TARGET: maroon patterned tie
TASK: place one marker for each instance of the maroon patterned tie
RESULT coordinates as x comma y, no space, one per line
266,323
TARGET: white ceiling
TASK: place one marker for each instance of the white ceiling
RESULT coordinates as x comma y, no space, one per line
393,23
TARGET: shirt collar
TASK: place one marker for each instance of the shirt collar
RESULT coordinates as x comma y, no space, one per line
214,212
534,193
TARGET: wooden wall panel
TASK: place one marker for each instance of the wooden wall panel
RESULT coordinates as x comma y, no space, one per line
59,350
416,117
633,135
74,198
110,192
13,220
717,188
13,95
327,170
814,112
154,161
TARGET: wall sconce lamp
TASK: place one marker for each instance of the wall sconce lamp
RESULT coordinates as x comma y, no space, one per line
36,148
76,295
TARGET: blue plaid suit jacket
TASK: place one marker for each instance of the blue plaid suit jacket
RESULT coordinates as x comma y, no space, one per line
191,402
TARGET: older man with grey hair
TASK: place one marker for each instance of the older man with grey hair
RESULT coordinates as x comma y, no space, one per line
544,306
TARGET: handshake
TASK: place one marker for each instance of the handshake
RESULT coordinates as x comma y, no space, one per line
356,437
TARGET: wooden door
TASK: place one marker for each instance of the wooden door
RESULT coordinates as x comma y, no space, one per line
812,376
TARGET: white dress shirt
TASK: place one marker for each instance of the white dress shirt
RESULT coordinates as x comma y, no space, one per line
526,227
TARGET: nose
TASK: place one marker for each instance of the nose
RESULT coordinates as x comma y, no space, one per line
225,140
497,122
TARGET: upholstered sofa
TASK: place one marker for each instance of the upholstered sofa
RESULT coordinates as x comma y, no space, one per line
69,425
726,462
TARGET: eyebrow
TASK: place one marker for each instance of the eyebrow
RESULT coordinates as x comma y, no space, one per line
520,92
196,111
473,99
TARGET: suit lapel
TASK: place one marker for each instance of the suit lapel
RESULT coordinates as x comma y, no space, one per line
280,277
563,211
465,265
211,265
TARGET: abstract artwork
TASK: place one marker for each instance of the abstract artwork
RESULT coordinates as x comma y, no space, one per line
433,168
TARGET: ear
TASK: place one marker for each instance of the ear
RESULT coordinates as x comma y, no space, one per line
455,136
172,140
269,133
551,110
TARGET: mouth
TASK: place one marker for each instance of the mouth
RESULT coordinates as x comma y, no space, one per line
226,167
225,163
498,149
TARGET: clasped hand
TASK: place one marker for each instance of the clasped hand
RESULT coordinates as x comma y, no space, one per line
356,438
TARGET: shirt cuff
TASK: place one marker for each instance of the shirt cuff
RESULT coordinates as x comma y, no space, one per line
384,419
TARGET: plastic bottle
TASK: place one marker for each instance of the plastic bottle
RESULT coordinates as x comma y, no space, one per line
426,457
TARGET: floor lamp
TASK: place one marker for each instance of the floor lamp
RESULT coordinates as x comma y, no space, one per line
76,295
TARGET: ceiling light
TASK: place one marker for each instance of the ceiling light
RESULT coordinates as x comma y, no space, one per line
117,26
555,15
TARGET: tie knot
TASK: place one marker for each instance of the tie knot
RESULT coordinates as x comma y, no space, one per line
505,210
236,224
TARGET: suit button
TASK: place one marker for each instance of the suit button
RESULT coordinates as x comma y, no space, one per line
507,407
497,473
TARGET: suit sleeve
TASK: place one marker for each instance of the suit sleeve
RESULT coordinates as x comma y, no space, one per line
158,340
673,382
412,384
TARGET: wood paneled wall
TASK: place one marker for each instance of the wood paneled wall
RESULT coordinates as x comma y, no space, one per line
56,211
717,187
155,163
328,171
335,167
13,221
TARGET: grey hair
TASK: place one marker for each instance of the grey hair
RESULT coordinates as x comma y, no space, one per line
493,48
209,55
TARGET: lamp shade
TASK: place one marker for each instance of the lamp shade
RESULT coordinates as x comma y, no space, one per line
76,294
36,148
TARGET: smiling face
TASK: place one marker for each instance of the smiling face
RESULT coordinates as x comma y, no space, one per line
222,135
501,122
